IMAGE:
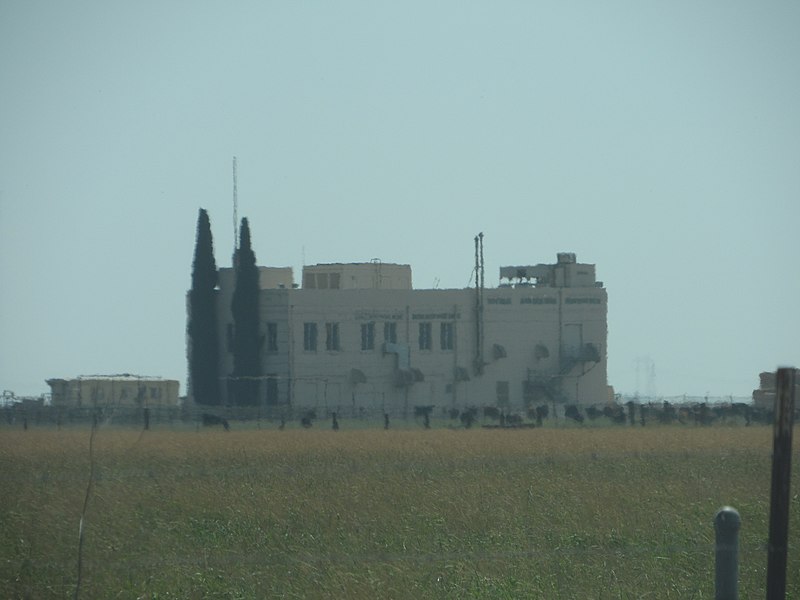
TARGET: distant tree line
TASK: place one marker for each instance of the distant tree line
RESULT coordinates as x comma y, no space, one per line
203,327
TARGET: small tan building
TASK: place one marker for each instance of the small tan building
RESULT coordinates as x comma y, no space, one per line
125,390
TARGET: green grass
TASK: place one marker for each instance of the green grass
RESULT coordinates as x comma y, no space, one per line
544,513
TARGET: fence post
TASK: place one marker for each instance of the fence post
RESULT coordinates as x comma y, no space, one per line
780,492
726,525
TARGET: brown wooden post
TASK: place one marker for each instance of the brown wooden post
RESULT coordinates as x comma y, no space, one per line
781,478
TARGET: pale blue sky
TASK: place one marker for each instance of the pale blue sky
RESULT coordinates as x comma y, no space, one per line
658,140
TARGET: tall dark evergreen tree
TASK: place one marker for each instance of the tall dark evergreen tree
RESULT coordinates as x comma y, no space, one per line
247,338
202,326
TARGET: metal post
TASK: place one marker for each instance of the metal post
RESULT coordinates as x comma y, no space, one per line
781,477
727,523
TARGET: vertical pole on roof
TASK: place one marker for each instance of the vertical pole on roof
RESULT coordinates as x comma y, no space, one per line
477,310
781,479
480,243
479,304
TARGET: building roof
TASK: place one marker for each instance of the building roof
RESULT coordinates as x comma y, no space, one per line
115,377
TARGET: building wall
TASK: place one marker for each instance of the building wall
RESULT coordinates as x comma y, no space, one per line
268,278
324,375
764,397
85,392
373,275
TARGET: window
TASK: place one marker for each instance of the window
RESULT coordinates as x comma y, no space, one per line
425,336
272,390
310,337
446,337
502,393
368,336
332,336
272,337
229,331
390,332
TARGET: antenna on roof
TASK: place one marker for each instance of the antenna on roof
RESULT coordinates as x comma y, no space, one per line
479,364
235,210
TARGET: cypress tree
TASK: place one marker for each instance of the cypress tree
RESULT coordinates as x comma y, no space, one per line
247,339
202,326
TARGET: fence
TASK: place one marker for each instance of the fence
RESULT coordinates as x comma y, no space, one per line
633,413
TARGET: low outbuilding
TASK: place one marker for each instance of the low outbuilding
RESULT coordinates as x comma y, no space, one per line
123,390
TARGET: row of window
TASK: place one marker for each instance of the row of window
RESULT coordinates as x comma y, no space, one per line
98,394
332,338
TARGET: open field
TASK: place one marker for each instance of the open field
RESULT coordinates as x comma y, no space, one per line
541,513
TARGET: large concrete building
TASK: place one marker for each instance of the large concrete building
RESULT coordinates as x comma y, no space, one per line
358,337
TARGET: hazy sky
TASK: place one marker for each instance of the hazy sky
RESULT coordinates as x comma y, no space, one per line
657,140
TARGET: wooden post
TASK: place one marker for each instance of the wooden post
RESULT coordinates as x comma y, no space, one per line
781,478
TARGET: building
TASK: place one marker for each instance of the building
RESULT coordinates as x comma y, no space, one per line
765,396
358,337
126,390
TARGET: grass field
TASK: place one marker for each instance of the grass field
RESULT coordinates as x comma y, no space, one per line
543,513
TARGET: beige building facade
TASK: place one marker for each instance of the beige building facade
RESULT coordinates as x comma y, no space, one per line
764,397
358,338
101,391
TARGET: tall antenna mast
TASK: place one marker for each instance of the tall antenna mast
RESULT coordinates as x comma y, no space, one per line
480,241
235,210
479,304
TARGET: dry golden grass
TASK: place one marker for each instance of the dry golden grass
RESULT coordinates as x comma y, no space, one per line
550,513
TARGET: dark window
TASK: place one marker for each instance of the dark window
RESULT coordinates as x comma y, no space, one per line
368,336
390,332
272,391
310,337
272,337
230,337
446,336
425,336
502,393
332,336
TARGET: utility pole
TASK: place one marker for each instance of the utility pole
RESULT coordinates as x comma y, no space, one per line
780,495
